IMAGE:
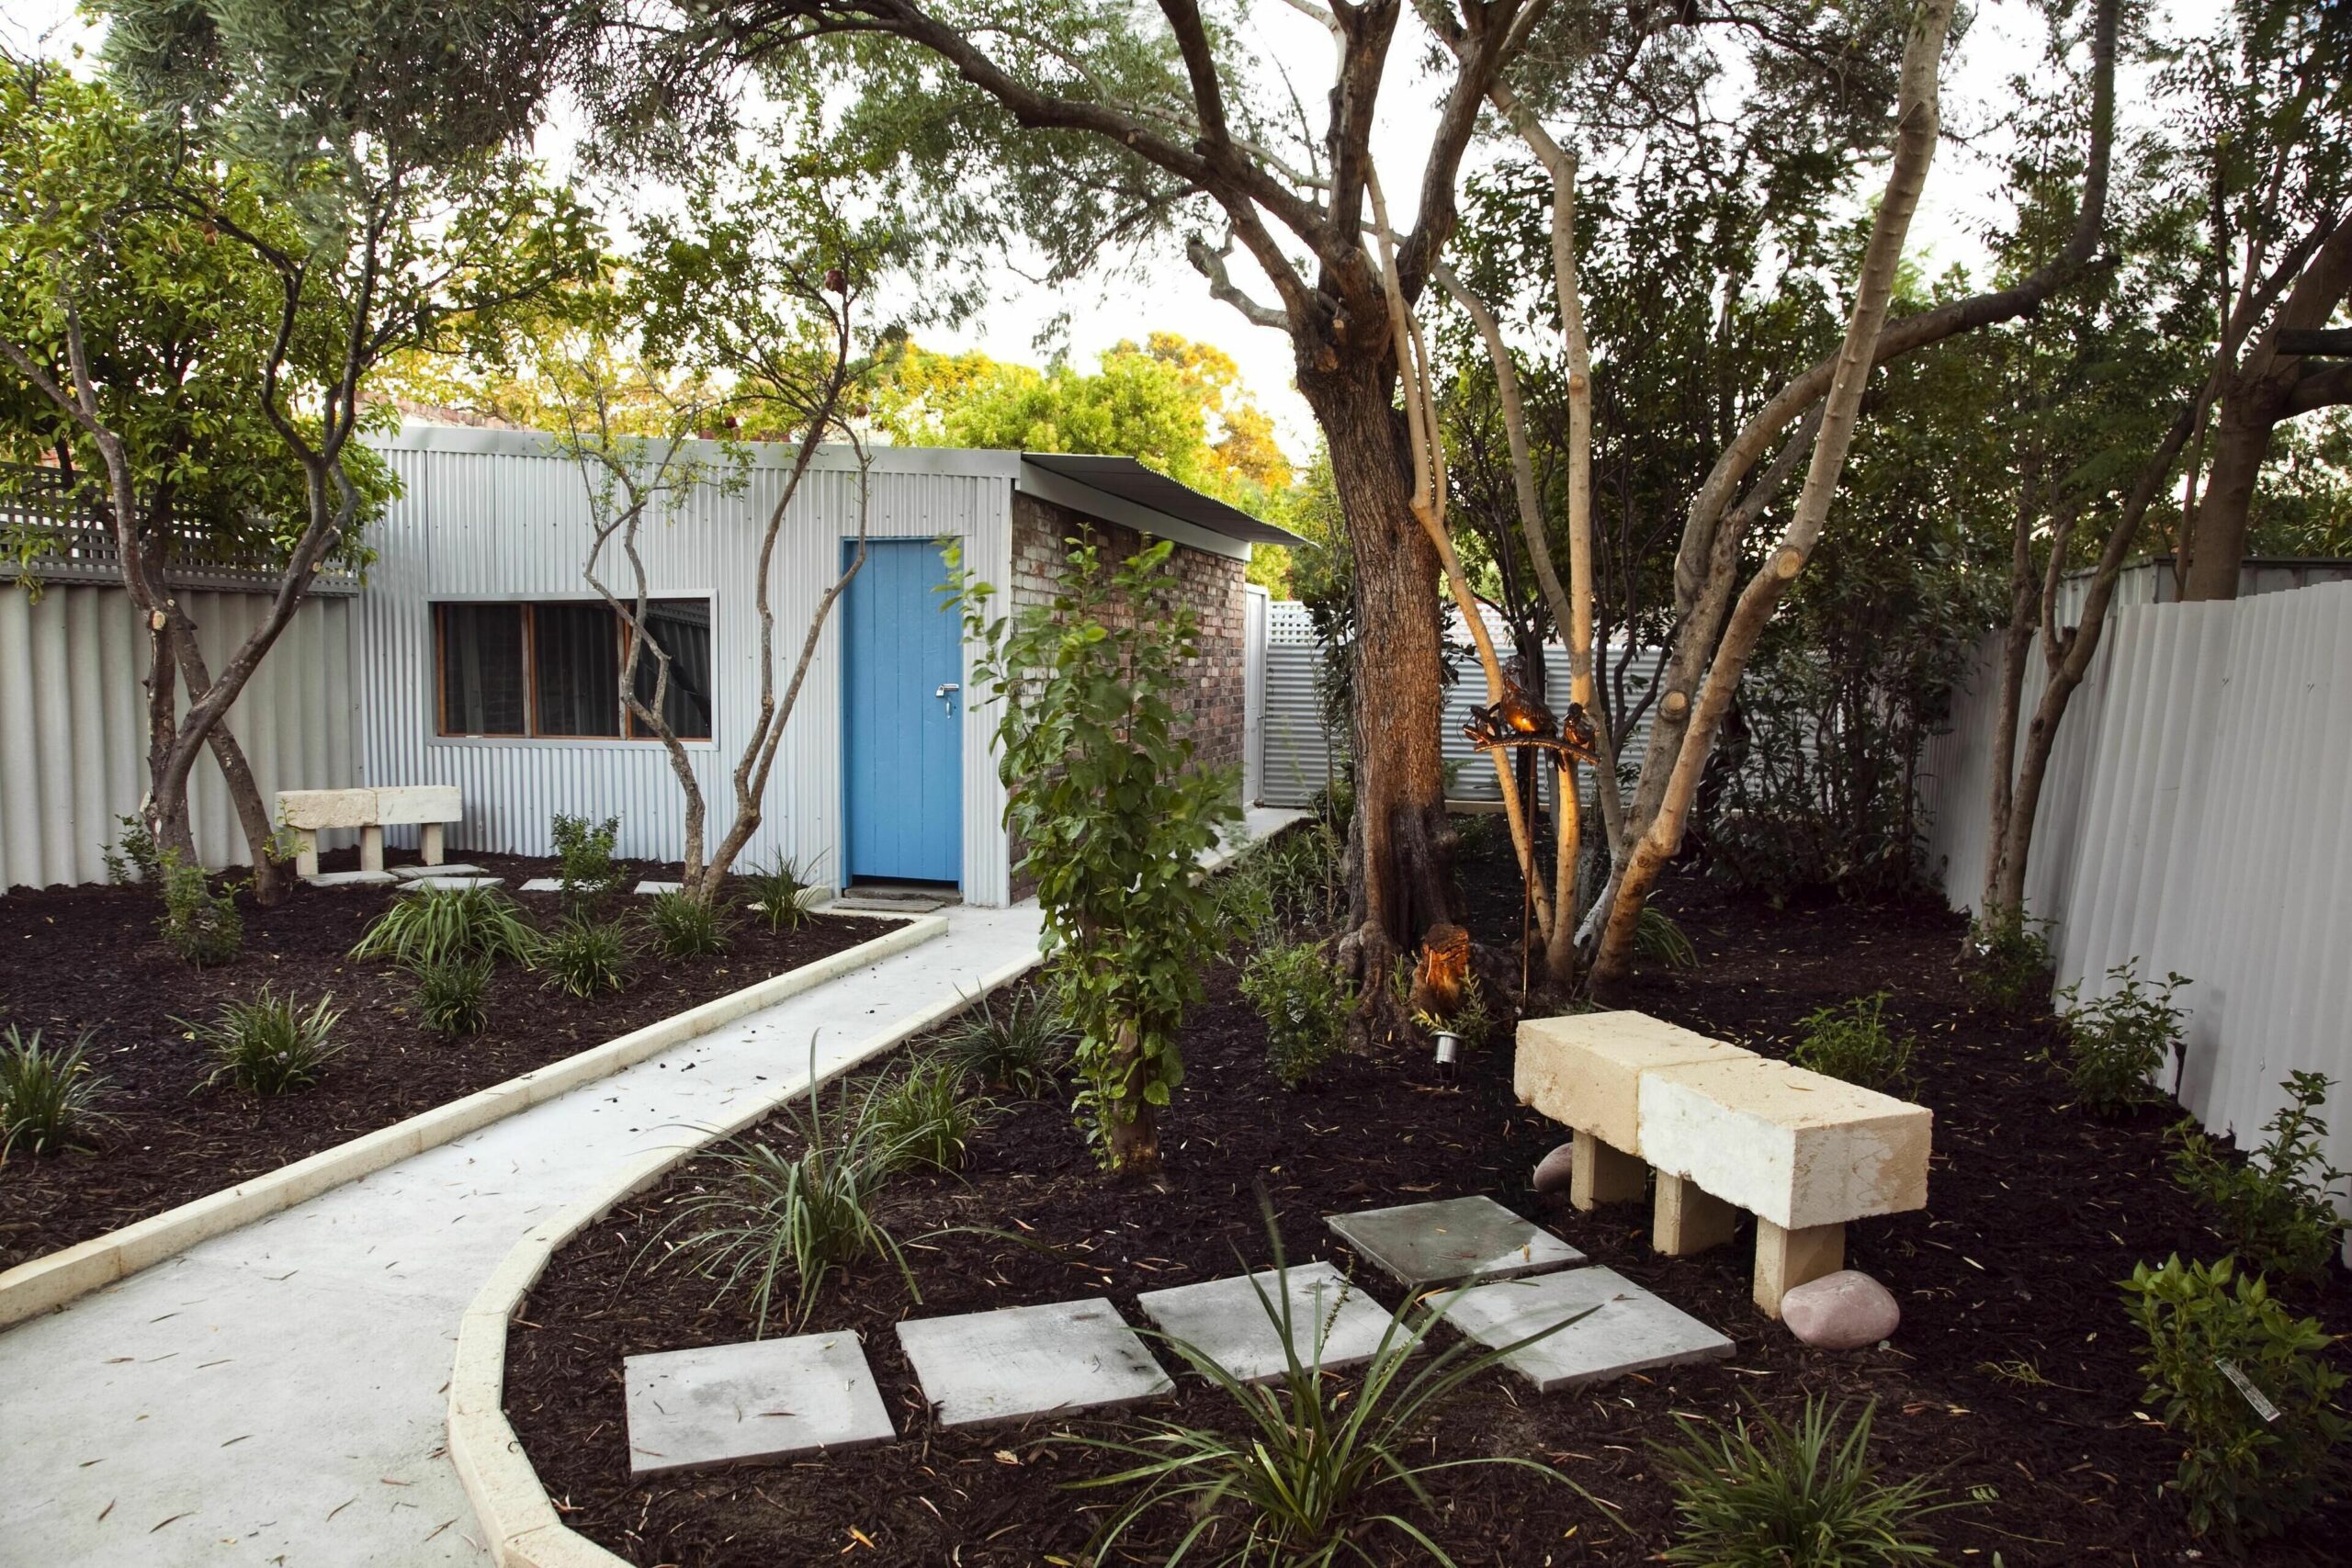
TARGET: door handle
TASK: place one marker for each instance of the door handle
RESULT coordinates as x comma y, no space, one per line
946,693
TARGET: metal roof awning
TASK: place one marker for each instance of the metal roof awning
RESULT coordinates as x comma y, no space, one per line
1063,477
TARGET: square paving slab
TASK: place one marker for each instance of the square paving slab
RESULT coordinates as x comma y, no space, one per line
760,1400
1229,1322
351,879
649,887
1632,1331
440,883
544,885
454,868
1450,1240
1031,1360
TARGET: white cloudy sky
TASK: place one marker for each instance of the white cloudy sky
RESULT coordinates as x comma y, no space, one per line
1027,321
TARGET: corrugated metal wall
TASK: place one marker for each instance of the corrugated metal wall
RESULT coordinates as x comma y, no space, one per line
2196,818
502,514
1255,607
73,719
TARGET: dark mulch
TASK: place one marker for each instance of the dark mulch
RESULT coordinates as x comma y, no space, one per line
90,958
2036,1211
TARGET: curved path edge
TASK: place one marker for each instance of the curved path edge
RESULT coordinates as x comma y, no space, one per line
49,1281
513,1509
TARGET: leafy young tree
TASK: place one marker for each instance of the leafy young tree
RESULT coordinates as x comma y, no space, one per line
1113,817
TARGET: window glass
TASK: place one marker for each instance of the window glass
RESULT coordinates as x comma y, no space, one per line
482,670
681,629
576,670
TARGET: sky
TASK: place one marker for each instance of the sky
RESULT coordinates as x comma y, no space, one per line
1029,323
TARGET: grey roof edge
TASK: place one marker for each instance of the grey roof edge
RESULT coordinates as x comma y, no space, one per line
1125,479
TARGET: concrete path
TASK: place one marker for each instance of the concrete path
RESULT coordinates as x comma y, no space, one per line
275,1394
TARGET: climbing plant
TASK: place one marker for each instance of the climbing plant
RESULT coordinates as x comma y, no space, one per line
1113,816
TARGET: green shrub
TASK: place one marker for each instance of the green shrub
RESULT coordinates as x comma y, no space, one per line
1019,1046
768,1220
133,857
777,889
2116,1041
2242,1472
2009,962
48,1096
1766,1495
1853,1043
1305,1005
583,851
432,925
922,1116
1315,1469
449,996
2275,1207
202,926
1658,938
268,1044
582,957
685,926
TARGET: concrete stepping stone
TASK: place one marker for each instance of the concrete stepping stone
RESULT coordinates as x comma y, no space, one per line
543,885
1453,1239
350,879
1633,1330
649,886
1030,1360
1229,1322
420,872
440,883
765,1400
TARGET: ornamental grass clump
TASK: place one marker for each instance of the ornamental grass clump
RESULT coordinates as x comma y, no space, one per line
922,1116
1767,1495
1852,1043
685,926
2247,1390
450,995
432,925
48,1095
778,889
1315,1470
583,956
268,1044
1656,937
2116,1045
1018,1047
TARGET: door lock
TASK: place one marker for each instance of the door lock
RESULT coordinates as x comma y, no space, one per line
945,695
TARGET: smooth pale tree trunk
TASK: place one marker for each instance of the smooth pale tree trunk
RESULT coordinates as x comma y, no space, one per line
2017,646
1916,135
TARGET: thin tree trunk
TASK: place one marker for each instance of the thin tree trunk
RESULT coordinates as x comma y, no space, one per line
2017,646
1916,135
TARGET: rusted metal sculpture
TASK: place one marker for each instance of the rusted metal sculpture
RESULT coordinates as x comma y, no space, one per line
1516,721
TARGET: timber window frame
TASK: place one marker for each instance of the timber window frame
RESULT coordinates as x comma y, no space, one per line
548,669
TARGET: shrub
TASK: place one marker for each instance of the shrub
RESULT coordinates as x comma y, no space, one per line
1305,1005
202,926
777,889
449,996
1017,1047
1766,1495
1853,1043
582,957
585,851
2244,1471
432,925
685,926
2115,1042
770,1220
2275,1207
1658,938
133,857
268,1044
922,1116
2009,962
1315,1467
48,1096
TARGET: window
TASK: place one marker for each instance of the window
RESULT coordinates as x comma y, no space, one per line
553,670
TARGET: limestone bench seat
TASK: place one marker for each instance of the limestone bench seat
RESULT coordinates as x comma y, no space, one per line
371,811
1726,1130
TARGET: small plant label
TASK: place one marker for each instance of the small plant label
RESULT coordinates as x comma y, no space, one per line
2254,1396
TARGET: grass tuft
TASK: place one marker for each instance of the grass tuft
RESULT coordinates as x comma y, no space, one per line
426,926
48,1095
266,1044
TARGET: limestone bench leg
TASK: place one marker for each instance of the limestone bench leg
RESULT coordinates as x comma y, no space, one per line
371,849
1686,1219
1600,1174
306,852
1787,1259
432,847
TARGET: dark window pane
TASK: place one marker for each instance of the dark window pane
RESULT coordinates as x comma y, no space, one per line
681,629
481,669
575,665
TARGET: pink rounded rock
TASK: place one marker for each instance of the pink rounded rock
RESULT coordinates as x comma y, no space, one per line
1844,1311
1552,1171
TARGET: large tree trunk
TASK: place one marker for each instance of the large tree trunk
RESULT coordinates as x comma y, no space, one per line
2241,442
1403,878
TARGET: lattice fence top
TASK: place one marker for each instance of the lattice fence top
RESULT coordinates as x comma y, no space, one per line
77,543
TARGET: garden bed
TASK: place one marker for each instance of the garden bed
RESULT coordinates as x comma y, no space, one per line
2035,1211
91,958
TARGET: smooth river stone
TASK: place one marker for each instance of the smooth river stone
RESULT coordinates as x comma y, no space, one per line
1844,1311
1552,1172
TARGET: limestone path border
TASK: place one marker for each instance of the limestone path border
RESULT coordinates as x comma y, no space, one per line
53,1280
524,1529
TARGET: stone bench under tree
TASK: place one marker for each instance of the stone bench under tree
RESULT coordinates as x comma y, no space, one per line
429,807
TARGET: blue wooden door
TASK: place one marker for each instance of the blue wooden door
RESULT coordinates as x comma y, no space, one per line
902,718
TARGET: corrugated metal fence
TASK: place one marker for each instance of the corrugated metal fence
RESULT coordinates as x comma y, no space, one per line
2196,818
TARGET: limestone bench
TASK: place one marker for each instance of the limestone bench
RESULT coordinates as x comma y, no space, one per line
1726,1130
371,811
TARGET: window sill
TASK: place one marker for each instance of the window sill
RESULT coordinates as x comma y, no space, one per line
563,742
